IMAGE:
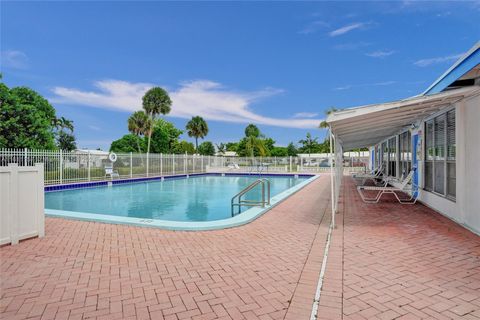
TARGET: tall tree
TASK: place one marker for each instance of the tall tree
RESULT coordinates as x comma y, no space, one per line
127,143
324,124
138,124
198,128
252,130
222,148
26,119
292,150
309,143
64,134
206,149
155,101
164,137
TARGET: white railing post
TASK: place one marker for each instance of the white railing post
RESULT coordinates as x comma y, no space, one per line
161,164
148,159
61,166
290,163
201,169
88,166
131,165
173,164
185,163
26,157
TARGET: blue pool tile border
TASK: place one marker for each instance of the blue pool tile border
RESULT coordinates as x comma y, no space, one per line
70,186
238,220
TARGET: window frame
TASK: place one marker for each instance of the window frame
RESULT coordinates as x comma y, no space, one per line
445,160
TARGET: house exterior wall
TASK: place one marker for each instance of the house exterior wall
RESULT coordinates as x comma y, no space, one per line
464,209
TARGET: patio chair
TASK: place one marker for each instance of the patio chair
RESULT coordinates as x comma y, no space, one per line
374,175
109,172
386,189
233,166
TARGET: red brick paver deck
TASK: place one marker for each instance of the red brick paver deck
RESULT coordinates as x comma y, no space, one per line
405,262
86,270
386,261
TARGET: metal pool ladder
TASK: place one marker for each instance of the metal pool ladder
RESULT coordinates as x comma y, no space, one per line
265,183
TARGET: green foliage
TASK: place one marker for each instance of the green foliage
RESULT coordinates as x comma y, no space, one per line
198,128
128,143
155,101
206,149
269,144
64,134
279,152
222,148
66,141
138,124
180,147
252,146
164,136
252,130
309,144
27,120
292,150
232,146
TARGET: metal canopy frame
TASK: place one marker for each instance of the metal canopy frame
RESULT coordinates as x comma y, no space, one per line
369,125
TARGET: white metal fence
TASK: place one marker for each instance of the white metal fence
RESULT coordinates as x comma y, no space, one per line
79,166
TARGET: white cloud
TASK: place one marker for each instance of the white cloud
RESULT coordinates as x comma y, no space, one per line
347,28
313,27
14,59
305,115
201,97
380,54
437,60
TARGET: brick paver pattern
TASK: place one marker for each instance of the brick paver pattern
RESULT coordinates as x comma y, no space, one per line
86,270
406,262
386,261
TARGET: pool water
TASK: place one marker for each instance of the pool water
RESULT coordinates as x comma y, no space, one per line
198,198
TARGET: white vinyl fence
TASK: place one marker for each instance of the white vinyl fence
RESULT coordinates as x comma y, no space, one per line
21,203
62,167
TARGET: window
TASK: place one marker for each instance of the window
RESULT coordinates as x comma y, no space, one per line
440,174
385,157
392,157
405,148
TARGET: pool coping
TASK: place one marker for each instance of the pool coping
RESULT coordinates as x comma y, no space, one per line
238,220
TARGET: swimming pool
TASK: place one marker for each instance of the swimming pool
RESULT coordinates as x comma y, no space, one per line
194,199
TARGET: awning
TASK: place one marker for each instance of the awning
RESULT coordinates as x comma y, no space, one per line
368,125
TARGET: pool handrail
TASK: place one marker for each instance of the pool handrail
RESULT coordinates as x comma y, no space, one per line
251,203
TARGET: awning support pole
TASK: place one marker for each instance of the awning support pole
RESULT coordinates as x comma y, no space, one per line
332,179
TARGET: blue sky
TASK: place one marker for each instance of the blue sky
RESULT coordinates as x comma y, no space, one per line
277,64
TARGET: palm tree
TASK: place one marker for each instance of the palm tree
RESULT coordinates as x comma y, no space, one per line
221,148
324,124
63,123
252,130
198,128
138,124
253,143
308,143
155,101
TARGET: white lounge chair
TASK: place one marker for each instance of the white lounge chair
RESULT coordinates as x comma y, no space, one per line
403,187
233,166
109,172
373,175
